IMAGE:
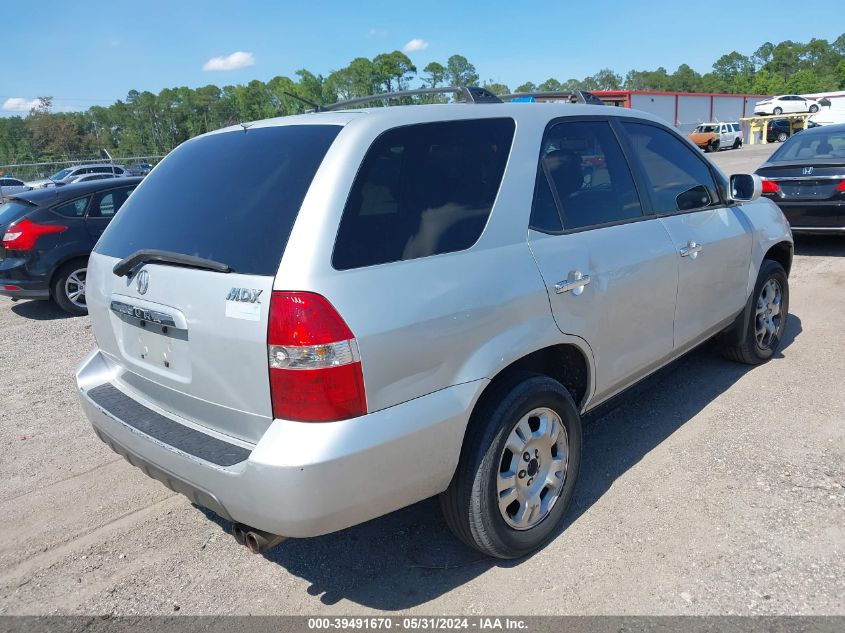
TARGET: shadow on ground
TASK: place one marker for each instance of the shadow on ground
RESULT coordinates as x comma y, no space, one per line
40,311
409,557
820,245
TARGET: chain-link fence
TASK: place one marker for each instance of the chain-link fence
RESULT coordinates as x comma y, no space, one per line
34,171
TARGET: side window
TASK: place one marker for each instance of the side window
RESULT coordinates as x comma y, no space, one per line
108,203
544,213
74,209
678,179
423,190
584,165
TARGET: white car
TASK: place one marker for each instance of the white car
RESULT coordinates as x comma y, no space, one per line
786,104
64,176
9,186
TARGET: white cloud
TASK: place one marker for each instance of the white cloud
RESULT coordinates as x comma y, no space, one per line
19,104
236,60
415,44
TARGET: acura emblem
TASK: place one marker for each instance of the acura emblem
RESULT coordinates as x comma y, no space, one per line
808,171
142,282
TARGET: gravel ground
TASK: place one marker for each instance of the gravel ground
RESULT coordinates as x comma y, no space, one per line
711,488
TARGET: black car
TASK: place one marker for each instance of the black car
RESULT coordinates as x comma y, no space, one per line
781,129
48,234
805,177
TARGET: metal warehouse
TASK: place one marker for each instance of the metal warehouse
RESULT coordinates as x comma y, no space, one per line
684,110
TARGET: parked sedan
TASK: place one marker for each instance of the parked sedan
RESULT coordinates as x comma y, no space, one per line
64,176
806,179
786,104
11,186
48,235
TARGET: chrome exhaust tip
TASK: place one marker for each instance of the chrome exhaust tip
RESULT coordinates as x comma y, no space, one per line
258,541
239,531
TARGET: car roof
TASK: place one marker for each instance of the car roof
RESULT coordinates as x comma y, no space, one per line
73,190
395,116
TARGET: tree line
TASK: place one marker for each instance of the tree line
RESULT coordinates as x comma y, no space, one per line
145,123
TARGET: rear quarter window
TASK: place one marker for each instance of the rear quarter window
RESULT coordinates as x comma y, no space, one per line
423,190
232,197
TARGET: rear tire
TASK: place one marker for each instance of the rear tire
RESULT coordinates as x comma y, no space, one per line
499,502
764,319
814,108
782,136
68,288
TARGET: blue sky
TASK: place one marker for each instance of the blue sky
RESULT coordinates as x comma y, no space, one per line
94,53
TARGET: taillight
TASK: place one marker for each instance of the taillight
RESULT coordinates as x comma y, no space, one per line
770,186
315,367
841,185
23,235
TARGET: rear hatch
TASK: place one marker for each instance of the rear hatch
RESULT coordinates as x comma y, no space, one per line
10,212
184,336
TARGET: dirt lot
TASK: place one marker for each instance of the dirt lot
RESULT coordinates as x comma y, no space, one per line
710,489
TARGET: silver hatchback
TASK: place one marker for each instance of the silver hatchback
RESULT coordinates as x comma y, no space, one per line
311,321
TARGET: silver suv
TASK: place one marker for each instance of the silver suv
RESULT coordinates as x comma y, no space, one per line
311,321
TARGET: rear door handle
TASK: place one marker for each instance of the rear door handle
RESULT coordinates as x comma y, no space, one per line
691,250
574,283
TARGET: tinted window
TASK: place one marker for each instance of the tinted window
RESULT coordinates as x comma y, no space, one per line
678,179
231,197
74,209
544,213
587,170
423,190
736,127
11,211
817,145
108,203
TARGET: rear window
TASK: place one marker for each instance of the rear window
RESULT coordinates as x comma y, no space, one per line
231,197
423,190
11,211
816,145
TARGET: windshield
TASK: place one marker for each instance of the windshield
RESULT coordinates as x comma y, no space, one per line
818,145
231,197
706,128
61,174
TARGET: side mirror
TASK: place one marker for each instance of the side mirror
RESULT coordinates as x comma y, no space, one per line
693,198
746,187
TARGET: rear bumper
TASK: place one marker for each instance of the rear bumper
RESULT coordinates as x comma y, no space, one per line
304,479
15,272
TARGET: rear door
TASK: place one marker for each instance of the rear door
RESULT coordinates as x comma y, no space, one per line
611,272
103,208
712,243
193,342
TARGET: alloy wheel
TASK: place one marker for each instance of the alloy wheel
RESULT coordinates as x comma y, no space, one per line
768,316
75,288
532,468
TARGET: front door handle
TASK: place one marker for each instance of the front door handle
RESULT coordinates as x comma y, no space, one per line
691,250
574,283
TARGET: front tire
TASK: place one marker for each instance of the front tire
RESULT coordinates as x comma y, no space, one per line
68,287
765,317
777,111
518,467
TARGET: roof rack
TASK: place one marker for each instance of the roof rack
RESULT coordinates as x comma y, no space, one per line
573,96
471,94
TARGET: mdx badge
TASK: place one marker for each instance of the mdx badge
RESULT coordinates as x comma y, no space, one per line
247,295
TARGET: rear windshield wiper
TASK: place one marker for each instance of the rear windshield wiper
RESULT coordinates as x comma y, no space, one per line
152,256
